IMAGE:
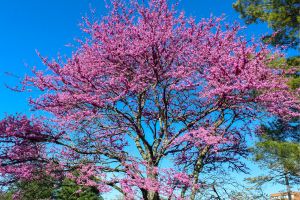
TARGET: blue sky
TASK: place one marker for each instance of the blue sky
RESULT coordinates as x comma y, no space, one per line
48,25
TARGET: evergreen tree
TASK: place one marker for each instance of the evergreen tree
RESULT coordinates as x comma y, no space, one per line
35,189
281,15
284,18
279,151
279,145
71,191
8,195
279,148
47,189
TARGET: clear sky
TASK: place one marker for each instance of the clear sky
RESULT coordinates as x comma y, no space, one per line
49,25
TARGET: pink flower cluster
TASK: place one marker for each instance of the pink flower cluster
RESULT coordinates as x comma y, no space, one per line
21,147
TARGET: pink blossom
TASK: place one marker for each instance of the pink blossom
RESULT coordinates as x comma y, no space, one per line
148,85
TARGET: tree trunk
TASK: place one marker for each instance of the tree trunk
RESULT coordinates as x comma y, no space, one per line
194,190
288,187
198,168
153,195
145,194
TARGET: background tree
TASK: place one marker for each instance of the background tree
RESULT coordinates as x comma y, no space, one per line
47,188
279,151
149,85
281,16
72,191
6,195
276,143
34,189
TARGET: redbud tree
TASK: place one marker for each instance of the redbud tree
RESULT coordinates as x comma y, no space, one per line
148,102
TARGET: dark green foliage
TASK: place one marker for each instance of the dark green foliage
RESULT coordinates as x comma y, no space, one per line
291,64
294,83
281,15
47,189
70,191
6,195
36,189
294,62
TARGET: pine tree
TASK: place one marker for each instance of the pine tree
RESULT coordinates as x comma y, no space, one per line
279,151
281,16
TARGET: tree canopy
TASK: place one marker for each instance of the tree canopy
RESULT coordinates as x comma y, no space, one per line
147,85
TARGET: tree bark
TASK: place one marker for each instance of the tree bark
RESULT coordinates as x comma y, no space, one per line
197,170
153,195
288,187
